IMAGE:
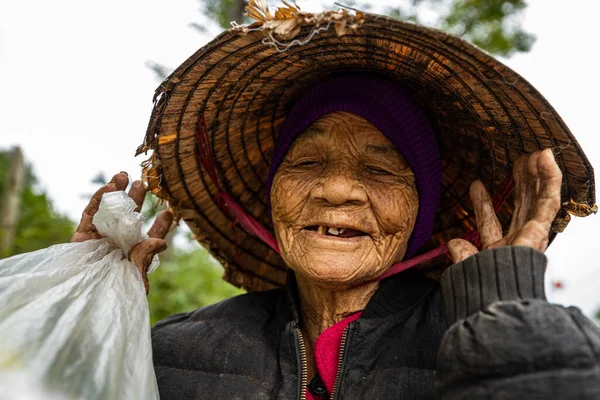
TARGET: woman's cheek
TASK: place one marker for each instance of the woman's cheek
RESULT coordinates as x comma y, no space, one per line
288,196
396,209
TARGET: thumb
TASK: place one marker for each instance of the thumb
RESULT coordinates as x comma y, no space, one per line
460,250
143,252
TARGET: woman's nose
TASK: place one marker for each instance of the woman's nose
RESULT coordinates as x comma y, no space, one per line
340,189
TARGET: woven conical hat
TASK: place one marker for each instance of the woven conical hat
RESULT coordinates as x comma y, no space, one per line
242,84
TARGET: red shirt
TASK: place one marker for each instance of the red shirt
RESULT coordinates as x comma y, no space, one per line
327,353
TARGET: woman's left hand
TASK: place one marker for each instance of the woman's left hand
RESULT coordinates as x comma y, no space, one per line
142,253
538,181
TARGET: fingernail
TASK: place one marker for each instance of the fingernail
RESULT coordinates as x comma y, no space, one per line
124,172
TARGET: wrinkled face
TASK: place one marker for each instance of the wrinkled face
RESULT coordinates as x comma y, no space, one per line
344,202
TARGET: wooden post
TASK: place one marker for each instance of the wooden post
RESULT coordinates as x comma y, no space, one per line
11,202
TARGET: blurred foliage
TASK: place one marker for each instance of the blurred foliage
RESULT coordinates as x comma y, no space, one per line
493,25
160,71
224,11
39,225
188,280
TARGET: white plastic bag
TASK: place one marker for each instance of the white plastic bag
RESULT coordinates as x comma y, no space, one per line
74,319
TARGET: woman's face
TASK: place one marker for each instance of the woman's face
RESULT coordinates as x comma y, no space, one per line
344,202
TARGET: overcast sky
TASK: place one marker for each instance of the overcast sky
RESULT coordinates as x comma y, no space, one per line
76,96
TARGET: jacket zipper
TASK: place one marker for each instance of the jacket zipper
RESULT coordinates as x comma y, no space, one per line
304,373
341,360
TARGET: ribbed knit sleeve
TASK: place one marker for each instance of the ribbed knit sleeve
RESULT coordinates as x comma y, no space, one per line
502,274
505,341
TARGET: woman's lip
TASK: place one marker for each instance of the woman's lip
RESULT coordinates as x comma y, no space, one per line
334,239
337,226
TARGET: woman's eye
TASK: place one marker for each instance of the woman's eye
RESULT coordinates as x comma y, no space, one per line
378,171
306,163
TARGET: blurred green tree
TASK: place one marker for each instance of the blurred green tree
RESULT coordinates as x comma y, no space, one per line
223,11
493,25
38,225
188,276
188,280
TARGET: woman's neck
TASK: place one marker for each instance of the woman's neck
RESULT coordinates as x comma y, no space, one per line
322,307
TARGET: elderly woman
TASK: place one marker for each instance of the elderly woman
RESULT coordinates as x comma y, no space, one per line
357,185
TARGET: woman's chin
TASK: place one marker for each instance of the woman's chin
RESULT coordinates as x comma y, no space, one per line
338,270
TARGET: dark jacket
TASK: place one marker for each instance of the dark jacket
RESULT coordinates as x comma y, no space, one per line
504,341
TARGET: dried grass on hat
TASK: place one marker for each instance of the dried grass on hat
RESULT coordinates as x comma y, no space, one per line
217,116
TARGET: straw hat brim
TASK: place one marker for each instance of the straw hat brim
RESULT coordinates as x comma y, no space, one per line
243,83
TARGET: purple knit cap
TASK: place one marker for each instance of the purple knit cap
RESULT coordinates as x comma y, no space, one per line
391,109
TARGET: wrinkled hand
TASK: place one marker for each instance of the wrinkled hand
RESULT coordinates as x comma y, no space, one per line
537,200
142,253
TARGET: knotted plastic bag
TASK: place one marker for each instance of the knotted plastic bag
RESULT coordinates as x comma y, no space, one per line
74,320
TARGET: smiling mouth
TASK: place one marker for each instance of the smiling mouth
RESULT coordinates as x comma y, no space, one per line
337,232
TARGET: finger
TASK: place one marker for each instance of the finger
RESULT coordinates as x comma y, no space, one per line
161,225
118,182
138,194
519,175
83,236
534,182
142,254
460,250
532,168
533,234
526,192
490,229
550,182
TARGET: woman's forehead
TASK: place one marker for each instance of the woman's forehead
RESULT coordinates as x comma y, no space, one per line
344,126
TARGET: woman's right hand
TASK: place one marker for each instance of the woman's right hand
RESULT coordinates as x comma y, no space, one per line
142,253
538,180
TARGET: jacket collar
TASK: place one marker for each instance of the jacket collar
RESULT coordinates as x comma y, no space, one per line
395,295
